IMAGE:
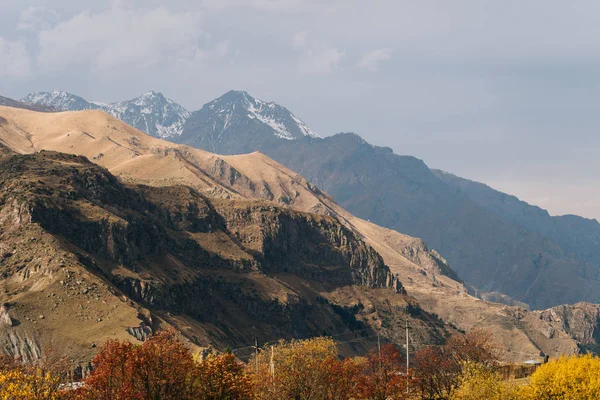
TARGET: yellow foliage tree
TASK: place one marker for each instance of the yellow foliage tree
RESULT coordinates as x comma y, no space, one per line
478,381
567,378
302,369
16,384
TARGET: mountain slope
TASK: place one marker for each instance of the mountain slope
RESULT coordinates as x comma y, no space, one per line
490,250
579,237
84,257
151,112
237,120
138,158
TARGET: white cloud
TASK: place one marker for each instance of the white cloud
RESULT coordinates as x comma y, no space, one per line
275,6
120,37
222,48
36,18
372,59
320,60
299,39
15,61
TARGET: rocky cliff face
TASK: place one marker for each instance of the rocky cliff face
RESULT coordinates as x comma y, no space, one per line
220,270
490,251
581,321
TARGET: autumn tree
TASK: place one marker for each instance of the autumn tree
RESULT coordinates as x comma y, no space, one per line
439,368
564,379
221,377
162,368
302,369
476,346
478,381
437,373
19,384
382,376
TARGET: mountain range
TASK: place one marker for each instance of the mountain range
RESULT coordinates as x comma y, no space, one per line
137,233
151,112
498,244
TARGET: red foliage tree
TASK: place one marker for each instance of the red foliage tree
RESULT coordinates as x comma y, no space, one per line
439,368
382,376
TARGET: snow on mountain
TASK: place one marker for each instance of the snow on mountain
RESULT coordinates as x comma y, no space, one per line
283,123
60,100
151,112
235,116
239,123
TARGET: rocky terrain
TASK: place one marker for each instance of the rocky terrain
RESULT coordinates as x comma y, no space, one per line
432,286
85,258
504,249
519,252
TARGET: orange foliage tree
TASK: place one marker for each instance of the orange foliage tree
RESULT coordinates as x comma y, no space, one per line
162,368
221,377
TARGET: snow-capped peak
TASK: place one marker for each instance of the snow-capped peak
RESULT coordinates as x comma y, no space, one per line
60,100
151,112
283,123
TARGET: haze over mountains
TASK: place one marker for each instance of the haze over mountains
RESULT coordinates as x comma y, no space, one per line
495,242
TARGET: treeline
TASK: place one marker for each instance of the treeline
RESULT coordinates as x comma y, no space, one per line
162,368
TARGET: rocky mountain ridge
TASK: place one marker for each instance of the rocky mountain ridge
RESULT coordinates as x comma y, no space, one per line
236,120
85,257
137,158
151,112
497,245
528,259
160,117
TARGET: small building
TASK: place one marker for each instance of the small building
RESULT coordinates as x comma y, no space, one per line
533,362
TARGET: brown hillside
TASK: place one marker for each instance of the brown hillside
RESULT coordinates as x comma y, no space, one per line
136,157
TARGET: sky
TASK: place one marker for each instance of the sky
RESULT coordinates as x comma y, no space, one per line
502,92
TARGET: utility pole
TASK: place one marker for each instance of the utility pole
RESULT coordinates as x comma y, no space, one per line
379,348
272,363
407,356
256,353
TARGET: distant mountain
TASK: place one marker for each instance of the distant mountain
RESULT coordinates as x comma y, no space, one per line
7,102
579,237
151,112
237,121
61,101
490,249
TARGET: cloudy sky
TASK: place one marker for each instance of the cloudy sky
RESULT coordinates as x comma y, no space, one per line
505,92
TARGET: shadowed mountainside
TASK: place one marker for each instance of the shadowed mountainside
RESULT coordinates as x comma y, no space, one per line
138,158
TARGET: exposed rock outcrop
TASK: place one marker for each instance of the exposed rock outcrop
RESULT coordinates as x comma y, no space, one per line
581,321
216,268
